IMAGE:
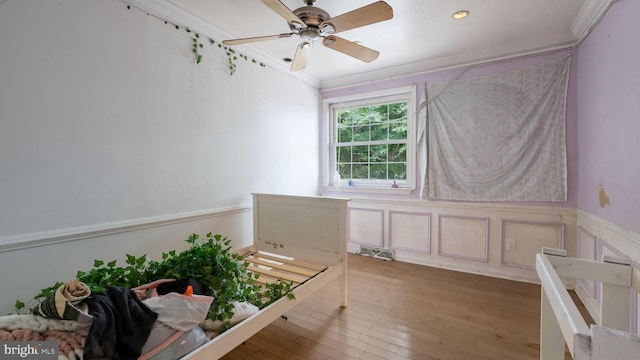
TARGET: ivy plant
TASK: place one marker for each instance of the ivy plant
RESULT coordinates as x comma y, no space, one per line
208,260
197,45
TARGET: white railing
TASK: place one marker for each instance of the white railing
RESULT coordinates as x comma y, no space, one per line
561,321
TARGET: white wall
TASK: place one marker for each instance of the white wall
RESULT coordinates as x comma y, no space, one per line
105,121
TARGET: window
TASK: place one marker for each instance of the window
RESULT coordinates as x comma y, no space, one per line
372,140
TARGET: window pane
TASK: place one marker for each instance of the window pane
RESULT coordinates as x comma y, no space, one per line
344,134
361,133
398,171
360,171
398,130
360,154
379,132
397,111
345,171
378,113
379,171
360,116
378,153
397,152
345,118
344,154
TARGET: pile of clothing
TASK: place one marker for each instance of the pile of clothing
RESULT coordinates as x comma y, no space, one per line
119,323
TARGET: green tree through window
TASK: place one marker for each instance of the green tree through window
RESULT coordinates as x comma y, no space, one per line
372,142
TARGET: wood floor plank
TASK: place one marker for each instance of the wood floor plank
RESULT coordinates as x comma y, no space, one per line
406,311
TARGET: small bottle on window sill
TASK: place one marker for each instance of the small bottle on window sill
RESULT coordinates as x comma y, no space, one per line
394,185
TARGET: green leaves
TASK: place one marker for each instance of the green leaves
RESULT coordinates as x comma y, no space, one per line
272,292
19,305
25,308
196,47
101,276
208,260
231,60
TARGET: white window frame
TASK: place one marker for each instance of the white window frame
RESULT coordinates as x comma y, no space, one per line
328,156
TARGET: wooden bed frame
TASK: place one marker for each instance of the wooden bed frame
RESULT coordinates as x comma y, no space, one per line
561,321
311,234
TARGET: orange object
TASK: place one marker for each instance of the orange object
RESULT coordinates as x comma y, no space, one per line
189,291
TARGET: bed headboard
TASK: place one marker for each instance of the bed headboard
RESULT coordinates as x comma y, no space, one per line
307,228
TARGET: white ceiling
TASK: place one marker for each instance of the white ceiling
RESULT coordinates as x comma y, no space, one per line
420,37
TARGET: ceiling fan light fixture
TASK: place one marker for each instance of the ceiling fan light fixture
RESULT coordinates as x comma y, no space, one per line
309,34
460,14
327,28
294,25
329,41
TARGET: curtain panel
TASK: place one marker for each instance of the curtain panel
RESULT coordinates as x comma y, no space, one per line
499,137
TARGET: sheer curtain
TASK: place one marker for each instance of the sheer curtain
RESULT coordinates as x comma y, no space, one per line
498,137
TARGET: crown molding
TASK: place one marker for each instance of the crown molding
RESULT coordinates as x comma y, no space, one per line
167,11
589,16
532,46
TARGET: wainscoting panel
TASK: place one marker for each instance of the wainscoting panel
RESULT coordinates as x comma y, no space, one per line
410,231
464,237
522,240
460,236
366,226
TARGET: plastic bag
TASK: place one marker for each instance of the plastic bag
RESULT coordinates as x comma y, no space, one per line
187,342
181,312
241,311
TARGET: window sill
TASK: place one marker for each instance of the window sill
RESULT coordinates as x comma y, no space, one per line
337,190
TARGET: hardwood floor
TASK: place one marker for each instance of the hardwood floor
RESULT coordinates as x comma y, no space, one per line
405,311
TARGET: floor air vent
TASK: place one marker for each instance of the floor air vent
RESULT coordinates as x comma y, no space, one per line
378,253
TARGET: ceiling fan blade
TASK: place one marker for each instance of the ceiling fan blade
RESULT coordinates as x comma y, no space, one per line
285,12
255,39
366,15
301,57
350,48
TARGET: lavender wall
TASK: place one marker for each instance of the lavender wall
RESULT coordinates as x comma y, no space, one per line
486,69
608,80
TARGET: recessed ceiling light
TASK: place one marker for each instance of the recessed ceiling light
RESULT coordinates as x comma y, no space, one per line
461,14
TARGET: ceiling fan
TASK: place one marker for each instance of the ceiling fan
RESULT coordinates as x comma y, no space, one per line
312,23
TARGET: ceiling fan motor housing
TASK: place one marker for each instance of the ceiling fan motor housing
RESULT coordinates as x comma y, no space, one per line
312,17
